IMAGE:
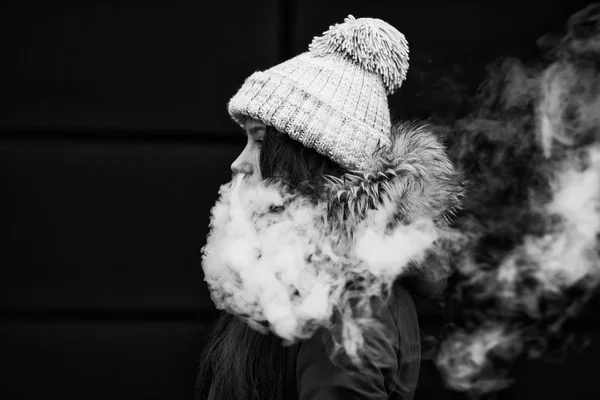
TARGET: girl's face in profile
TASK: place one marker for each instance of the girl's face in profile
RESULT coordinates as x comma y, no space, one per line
247,162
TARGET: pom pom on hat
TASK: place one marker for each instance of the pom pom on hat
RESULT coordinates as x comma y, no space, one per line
372,43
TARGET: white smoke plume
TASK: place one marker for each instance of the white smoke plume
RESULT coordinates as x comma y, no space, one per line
273,259
528,257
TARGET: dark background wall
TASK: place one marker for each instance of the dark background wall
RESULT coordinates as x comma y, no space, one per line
114,140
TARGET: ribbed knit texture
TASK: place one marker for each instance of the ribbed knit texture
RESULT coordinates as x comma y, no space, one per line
327,101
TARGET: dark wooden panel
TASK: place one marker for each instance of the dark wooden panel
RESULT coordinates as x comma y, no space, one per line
128,360
107,224
137,64
142,360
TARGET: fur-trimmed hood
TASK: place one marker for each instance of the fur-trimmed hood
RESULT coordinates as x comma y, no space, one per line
288,261
414,173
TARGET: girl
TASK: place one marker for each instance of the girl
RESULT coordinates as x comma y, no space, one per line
329,212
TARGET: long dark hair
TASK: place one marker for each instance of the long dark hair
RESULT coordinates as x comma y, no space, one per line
239,363
285,158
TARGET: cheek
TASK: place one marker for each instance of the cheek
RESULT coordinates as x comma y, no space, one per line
256,159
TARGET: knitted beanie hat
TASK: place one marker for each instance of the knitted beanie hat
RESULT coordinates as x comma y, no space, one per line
332,98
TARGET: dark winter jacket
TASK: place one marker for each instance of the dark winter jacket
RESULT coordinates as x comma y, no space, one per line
416,173
311,375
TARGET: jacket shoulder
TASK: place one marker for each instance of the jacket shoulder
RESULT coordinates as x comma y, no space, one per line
390,374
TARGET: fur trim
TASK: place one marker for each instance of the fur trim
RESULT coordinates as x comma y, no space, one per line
414,173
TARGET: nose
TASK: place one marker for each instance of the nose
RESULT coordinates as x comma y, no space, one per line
242,164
